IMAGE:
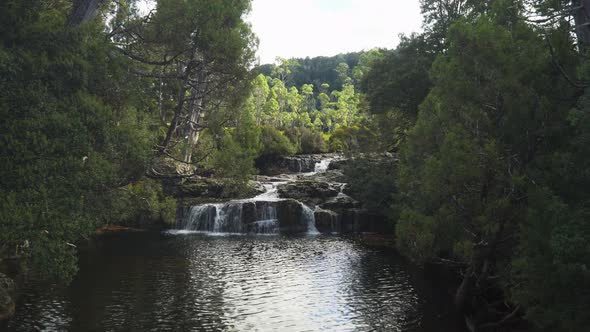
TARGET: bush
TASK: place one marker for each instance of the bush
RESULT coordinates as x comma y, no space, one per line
143,204
275,143
312,141
354,138
306,140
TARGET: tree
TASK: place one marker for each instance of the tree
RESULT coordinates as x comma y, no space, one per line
260,93
199,51
401,78
76,133
471,161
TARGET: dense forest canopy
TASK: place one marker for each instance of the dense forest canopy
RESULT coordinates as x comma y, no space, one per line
486,112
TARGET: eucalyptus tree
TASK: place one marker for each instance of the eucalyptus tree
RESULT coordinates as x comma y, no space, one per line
198,53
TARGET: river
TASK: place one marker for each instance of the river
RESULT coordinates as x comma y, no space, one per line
183,281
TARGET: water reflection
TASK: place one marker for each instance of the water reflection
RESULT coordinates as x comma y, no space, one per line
193,282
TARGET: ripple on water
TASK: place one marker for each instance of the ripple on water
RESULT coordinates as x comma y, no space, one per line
189,281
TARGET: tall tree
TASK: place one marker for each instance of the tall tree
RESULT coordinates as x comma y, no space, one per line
475,174
201,51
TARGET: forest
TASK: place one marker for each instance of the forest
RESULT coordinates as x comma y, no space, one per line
486,113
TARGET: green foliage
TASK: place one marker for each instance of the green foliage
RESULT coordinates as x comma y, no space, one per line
312,141
416,235
489,172
72,133
306,140
311,104
151,206
274,143
317,71
234,164
353,139
400,79
373,182
551,274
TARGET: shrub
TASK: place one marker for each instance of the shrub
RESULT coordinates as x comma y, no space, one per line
354,138
275,143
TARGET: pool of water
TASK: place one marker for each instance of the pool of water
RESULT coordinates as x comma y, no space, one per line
198,282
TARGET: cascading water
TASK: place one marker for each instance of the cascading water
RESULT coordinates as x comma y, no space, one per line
235,217
215,218
308,216
257,215
322,165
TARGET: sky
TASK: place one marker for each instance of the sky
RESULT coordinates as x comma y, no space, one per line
301,28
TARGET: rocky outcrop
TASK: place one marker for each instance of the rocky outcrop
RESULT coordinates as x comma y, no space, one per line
211,189
340,202
327,221
308,191
7,293
338,164
291,164
290,216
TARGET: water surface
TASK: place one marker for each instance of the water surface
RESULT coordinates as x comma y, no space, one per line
198,282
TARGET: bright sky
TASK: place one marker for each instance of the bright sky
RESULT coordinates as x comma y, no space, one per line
301,28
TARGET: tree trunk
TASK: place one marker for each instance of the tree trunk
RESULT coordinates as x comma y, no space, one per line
83,11
582,21
196,114
174,123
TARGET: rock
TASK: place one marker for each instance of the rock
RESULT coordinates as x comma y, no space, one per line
338,164
340,203
299,164
7,293
273,165
290,216
351,220
201,187
249,212
211,188
327,221
308,190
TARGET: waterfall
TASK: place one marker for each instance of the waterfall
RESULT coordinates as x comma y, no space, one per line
256,215
308,216
234,217
215,218
322,165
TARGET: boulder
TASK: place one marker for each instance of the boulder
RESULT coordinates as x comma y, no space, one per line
290,216
7,293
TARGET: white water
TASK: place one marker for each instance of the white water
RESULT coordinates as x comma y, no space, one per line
322,165
227,218
271,194
308,216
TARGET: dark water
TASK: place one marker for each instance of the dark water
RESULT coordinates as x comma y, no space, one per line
165,282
